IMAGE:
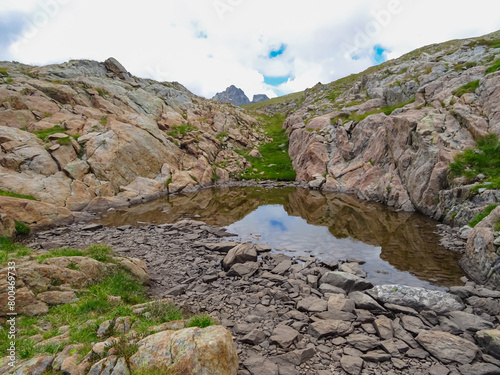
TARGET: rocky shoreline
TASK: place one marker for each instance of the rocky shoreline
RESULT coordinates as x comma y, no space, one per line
304,316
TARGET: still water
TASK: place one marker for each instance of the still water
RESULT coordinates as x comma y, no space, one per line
398,247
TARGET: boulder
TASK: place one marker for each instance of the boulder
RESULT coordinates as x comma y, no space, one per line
447,348
417,298
346,281
242,253
326,328
489,340
284,335
191,350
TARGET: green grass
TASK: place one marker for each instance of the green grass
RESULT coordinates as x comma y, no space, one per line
470,87
4,193
104,120
42,134
3,72
201,321
479,217
10,250
64,141
358,118
22,228
181,130
497,225
99,252
494,67
297,96
484,159
272,153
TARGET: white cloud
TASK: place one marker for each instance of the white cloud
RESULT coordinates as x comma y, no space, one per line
208,48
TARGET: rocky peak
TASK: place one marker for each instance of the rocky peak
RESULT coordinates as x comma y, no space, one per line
232,95
260,98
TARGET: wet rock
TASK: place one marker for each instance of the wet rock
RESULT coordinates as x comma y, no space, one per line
447,347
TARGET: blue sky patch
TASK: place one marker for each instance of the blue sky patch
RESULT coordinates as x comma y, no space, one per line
276,81
275,53
379,54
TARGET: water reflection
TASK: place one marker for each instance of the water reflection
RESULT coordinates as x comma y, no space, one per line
397,247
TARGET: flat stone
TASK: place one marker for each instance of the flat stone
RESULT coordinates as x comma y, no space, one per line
353,268
335,315
383,326
259,365
417,353
92,227
345,281
351,365
298,357
282,267
255,337
363,342
284,335
439,370
390,347
469,322
412,324
220,247
479,369
447,347
365,302
401,309
340,302
243,269
376,356
326,328
57,298
312,304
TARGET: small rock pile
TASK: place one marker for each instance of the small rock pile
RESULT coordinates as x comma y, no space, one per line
304,316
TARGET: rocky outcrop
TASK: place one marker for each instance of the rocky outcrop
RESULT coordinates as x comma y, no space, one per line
88,135
481,259
232,95
259,98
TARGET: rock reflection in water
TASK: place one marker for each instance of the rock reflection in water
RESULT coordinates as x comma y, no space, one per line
398,247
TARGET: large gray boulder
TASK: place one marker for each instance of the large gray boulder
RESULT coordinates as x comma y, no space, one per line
345,281
417,298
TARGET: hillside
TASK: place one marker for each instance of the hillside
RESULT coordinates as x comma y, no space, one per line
88,135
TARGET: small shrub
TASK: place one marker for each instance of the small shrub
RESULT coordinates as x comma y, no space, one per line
480,216
22,228
201,321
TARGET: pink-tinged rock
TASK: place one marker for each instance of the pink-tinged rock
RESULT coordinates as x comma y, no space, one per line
191,351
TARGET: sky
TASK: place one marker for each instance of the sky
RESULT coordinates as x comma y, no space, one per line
272,47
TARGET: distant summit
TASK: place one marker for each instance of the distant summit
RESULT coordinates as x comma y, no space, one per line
237,96
260,98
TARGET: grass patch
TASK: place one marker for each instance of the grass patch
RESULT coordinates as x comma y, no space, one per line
64,141
56,253
3,72
4,193
497,225
10,250
479,217
42,134
272,154
297,96
101,253
358,118
201,321
494,67
222,135
181,130
22,228
485,159
104,120
470,87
